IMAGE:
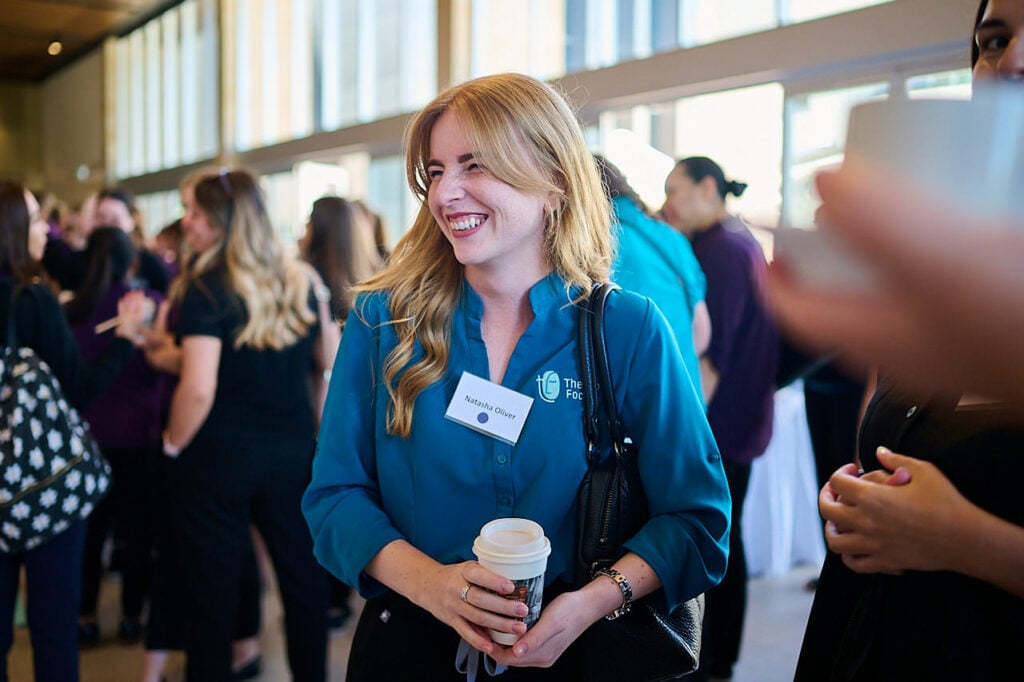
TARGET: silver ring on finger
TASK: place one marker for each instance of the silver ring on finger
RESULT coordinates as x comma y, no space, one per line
464,595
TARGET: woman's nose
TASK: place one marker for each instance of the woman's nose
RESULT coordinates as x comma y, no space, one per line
1011,64
449,186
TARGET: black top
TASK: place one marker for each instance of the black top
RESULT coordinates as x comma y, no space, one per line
67,267
257,390
40,325
925,625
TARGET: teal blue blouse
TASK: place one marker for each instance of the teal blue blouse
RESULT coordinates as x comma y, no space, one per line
438,487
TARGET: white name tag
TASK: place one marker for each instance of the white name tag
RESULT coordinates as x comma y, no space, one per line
489,408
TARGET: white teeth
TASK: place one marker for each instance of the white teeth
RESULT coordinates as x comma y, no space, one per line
467,224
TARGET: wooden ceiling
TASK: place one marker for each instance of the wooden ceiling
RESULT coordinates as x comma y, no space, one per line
27,27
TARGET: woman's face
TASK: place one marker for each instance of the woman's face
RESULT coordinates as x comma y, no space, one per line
685,204
199,234
37,229
112,212
493,227
1000,40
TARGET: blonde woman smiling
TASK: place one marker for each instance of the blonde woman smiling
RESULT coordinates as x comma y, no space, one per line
513,227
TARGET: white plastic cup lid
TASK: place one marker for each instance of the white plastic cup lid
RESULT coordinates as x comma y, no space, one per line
512,540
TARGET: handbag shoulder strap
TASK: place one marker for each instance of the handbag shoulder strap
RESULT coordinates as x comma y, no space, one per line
602,368
600,414
588,379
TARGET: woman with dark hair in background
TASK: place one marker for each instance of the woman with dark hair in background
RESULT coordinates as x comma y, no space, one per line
125,421
925,577
738,371
53,568
340,242
116,207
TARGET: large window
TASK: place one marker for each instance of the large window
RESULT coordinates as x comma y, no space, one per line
742,131
166,91
158,209
273,60
816,131
816,138
375,58
794,11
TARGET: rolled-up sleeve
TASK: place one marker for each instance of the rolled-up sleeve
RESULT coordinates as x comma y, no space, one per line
686,539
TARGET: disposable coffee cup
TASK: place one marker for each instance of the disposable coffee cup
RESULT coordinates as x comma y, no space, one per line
968,154
518,550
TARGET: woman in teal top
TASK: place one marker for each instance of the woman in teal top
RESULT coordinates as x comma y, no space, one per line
513,227
657,261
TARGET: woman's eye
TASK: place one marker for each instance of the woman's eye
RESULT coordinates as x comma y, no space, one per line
993,43
475,167
434,173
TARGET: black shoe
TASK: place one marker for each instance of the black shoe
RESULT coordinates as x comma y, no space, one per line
130,631
248,671
88,634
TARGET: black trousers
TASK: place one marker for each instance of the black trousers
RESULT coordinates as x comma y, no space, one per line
124,514
221,483
166,625
397,641
725,605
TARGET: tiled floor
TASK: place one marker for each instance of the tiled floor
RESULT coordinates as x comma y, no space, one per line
777,612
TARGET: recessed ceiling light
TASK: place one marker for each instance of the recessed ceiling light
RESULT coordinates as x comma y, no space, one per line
54,48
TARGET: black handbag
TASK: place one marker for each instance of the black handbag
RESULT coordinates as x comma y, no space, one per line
647,643
52,473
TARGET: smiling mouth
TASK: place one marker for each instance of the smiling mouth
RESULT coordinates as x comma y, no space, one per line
465,224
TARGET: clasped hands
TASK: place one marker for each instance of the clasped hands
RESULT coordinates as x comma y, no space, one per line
484,607
898,518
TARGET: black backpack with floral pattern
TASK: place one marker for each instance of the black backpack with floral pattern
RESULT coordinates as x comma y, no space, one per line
52,472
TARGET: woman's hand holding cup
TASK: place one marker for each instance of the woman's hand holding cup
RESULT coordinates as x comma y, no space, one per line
472,603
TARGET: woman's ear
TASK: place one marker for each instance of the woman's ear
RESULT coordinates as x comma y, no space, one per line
708,188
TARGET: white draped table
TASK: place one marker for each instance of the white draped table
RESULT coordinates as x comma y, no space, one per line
781,526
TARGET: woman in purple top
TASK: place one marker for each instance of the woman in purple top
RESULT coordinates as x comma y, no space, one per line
738,371
125,421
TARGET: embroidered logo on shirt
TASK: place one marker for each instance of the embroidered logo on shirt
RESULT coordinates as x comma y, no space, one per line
548,386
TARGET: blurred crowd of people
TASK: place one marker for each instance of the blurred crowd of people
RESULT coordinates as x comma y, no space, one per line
201,355
205,400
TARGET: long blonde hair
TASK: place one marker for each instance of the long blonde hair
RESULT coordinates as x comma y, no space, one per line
527,136
273,287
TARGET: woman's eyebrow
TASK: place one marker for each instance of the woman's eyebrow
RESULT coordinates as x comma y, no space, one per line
989,23
461,159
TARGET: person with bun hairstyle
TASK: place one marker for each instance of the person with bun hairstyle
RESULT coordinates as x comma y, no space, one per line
738,371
